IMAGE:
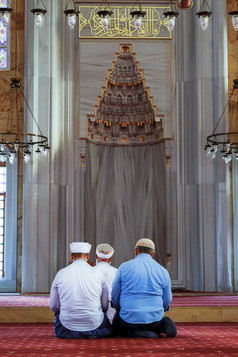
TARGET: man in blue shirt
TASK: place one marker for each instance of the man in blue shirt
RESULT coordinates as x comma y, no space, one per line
141,292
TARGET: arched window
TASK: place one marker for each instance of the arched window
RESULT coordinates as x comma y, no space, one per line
4,41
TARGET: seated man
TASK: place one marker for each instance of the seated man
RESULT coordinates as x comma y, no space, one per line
142,292
104,253
79,298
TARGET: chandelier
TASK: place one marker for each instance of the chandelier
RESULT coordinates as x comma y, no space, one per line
12,140
225,143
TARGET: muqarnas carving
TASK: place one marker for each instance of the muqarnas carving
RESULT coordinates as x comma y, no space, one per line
125,114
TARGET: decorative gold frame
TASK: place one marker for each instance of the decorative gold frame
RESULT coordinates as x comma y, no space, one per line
154,25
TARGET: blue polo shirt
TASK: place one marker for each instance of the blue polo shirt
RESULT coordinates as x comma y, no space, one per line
142,290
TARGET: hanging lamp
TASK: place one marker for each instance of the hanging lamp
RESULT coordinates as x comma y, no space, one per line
71,14
39,12
104,14
234,15
170,16
204,15
137,14
5,13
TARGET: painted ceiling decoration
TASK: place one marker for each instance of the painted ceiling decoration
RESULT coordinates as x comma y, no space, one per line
125,114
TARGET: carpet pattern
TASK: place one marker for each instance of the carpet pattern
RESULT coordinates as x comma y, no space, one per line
206,339
43,301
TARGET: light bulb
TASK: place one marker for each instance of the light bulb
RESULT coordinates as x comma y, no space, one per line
208,150
2,147
46,152
138,22
235,21
27,158
204,20
227,158
71,21
227,146
5,19
12,156
42,148
3,157
213,153
171,22
38,153
38,20
105,22
27,155
16,146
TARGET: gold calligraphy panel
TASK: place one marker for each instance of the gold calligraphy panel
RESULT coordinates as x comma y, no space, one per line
154,25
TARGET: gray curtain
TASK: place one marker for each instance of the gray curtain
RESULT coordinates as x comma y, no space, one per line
125,198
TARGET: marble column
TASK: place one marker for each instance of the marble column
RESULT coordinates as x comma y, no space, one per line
48,192
203,185
235,222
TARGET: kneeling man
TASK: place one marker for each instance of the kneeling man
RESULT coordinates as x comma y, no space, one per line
79,298
141,292
104,253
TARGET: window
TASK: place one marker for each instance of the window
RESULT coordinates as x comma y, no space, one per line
8,226
3,172
4,41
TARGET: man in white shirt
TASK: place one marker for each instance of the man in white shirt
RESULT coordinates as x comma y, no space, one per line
79,298
104,253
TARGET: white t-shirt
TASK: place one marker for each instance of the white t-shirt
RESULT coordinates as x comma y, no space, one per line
80,294
109,274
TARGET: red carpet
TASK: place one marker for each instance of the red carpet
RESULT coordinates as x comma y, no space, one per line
43,300
210,300
207,339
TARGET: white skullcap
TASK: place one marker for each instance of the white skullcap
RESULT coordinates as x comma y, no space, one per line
145,242
104,251
80,247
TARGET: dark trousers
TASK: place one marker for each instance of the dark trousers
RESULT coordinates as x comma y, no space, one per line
104,330
165,326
